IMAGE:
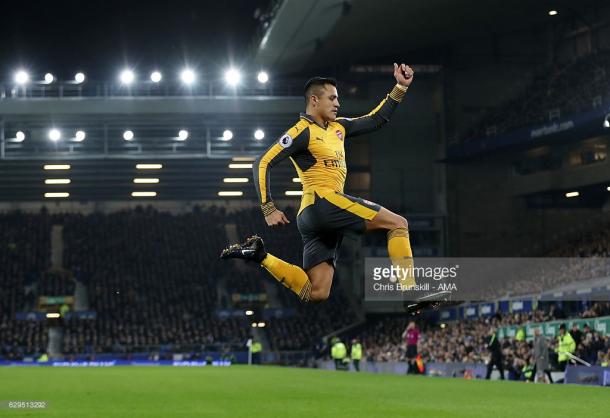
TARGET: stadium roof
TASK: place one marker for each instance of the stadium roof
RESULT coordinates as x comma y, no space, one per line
327,32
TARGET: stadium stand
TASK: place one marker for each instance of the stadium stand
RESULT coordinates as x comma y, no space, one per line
152,278
149,280
554,92
466,341
153,281
24,254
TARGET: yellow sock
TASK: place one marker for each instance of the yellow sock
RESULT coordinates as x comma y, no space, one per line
399,249
291,276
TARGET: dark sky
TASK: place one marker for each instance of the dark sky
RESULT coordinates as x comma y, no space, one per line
101,37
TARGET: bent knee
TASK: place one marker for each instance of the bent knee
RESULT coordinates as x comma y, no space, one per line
400,222
319,294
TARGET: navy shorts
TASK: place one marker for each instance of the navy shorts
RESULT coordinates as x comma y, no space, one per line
324,223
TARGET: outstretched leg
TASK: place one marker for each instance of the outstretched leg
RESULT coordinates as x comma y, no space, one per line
311,286
289,275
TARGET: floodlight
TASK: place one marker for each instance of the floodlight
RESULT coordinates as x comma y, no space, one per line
54,134
262,77
155,76
232,77
187,76
127,77
183,135
22,77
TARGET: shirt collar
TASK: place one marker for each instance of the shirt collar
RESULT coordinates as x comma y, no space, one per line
308,118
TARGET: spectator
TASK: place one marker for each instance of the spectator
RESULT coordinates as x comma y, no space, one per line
541,356
496,355
565,347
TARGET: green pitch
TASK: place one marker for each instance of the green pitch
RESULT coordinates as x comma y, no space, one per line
251,392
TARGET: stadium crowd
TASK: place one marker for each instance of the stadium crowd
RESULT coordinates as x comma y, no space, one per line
151,279
467,340
24,253
554,92
154,280
582,258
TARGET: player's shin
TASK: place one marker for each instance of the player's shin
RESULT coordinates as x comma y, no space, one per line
399,250
291,276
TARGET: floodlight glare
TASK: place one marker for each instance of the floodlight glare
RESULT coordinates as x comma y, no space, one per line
227,135
183,135
127,76
143,194
79,78
259,134
230,193
19,136
128,135
149,166
57,181
22,77
56,166
80,136
262,77
49,78
552,12
187,76
232,77
155,76
54,134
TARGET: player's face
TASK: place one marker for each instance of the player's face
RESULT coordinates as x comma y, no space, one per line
329,103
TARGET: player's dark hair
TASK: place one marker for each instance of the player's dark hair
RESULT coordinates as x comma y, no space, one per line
314,85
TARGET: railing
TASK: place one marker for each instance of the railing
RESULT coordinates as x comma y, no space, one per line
96,89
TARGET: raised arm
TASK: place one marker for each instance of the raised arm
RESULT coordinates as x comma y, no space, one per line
383,112
295,140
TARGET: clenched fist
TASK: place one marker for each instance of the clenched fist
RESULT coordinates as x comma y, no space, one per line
403,74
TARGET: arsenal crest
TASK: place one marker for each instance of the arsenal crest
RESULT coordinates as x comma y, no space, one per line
339,134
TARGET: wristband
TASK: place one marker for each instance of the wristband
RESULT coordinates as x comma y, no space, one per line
268,208
398,92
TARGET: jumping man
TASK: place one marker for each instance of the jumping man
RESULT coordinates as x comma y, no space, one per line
315,145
